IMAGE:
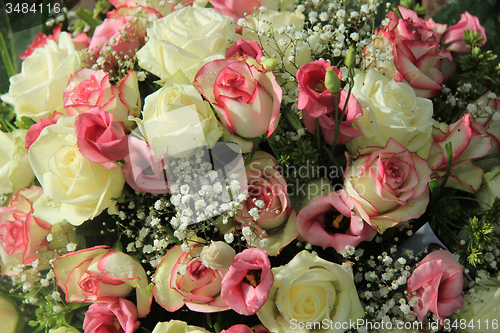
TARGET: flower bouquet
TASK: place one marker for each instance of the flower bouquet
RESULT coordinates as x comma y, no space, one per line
251,166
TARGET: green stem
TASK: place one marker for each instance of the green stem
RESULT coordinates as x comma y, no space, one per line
87,18
449,153
6,57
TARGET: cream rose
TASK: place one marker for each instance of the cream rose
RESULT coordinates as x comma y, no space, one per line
38,90
483,307
176,120
15,170
391,110
271,21
186,40
75,188
9,315
310,289
217,256
177,326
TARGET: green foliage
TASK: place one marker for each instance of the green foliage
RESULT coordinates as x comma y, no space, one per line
476,68
481,235
410,4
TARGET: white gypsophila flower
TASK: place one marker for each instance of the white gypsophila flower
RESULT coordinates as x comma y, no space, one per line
56,296
185,247
71,247
246,231
228,238
44,282
264,243
130,247
49,237
349,249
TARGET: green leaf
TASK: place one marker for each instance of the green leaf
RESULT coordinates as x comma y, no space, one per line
6,57
24,123
86,15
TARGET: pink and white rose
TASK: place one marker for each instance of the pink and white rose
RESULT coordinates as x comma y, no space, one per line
388,186
452,37
267,206
22,236
247,98
245,48
102,274
469,140
418,58
112,317
436,284
246,285
88,88
198,287
329,221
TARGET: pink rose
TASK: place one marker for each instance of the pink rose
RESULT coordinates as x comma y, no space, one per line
143,171
246,285
235,8
115,317
267,191
245,48
81,41
100,139
418,58
452,37
260,329
314,98
239,328
88,88
388,186
198,287
100,274
120,32
329,221
247,98
22,235
469,141
318,102
437,283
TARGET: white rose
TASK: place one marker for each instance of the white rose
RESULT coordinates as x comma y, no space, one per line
482,308
186,40
74,188
176,120
391,110
217,256
176,326
9,315
38,90
15,170
270,22
307,290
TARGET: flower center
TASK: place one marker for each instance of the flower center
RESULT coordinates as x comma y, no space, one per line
253,277
335,223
